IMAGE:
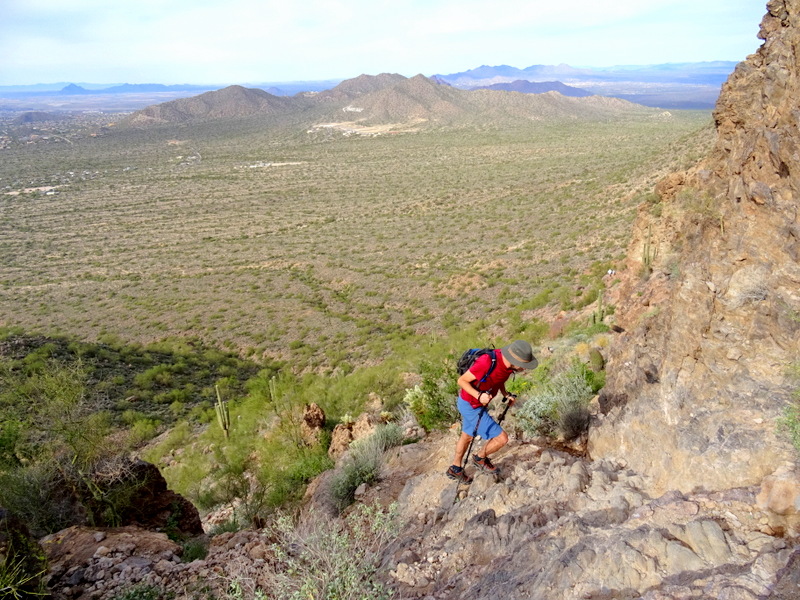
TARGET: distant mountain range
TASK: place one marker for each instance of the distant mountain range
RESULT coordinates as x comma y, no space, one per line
672,85
532,87
387,100
71,89
701,73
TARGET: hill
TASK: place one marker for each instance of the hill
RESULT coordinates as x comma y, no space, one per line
421,99
232,101
388,99
532,87
359,86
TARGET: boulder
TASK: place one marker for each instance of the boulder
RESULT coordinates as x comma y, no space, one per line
340,440
313,422
153,506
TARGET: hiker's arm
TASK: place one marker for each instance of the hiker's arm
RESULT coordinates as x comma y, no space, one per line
507,395
465,383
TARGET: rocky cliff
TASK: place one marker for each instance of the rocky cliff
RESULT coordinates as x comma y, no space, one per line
710,304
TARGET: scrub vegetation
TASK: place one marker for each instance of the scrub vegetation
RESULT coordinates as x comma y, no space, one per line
322,252
283,266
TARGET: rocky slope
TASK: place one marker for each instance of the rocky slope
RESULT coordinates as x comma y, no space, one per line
553,526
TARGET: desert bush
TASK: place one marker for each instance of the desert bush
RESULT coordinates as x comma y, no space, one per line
142,430
287,485
332,558
433,401
37,495
559,406
789,423
68,467
22,564
52,413
230,526
194,549
363,463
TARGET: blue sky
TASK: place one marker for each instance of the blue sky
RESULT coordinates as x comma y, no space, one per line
255,41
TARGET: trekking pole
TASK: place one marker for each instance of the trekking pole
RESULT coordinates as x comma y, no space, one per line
505,410
472,441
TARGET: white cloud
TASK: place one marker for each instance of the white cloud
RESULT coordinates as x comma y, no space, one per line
214,41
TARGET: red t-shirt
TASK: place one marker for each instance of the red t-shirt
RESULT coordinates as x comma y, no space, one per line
497,377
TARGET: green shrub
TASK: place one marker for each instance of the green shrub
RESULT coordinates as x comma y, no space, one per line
363,463
144,591
330,558
229,526
159,375
559,406
433,402
789,424
22,564
194,549
36,495
10,438
142,431
288,485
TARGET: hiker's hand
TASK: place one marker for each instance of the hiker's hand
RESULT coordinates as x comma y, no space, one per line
511,399
488,398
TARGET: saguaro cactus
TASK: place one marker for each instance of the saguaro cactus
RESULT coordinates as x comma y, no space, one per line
649,252
223,414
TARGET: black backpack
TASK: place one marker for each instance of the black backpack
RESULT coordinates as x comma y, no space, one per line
470,356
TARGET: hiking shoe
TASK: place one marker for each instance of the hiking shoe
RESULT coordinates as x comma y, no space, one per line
455,472
484,464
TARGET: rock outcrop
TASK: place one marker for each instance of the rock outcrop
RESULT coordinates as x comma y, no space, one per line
154,506
312,423
553,527
89,563
560,527
710,304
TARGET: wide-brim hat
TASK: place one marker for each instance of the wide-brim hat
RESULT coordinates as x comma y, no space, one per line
520,354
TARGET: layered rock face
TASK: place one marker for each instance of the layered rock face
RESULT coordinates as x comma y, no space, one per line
710,303
558,527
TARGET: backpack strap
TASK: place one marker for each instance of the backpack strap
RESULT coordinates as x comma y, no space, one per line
493,356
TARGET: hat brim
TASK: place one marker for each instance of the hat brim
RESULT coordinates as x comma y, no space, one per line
532,364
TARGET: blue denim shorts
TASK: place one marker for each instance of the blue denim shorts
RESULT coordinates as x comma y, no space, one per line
488,427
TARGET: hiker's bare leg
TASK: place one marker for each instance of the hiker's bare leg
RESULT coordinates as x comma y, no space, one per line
493,445
461,447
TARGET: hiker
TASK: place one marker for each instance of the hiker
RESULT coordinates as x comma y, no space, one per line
479,385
